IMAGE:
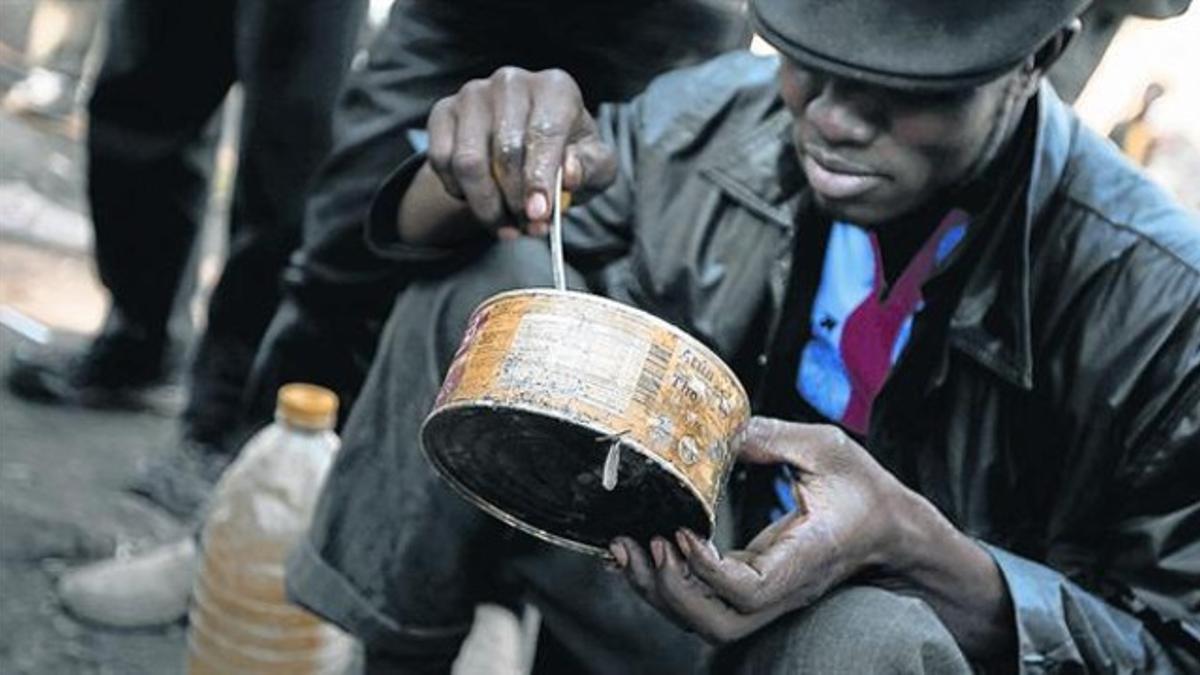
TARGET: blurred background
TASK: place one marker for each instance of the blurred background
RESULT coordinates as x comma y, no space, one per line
61,468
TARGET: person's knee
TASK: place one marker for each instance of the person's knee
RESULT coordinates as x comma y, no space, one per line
430,315
509,264
858,629
498,267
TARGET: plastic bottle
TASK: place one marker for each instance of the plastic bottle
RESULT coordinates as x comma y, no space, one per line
240,620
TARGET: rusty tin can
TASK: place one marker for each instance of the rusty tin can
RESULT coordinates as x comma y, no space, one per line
577,419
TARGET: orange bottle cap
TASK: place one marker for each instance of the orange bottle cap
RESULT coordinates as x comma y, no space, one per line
307,405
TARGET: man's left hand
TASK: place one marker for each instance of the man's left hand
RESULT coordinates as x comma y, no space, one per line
841,527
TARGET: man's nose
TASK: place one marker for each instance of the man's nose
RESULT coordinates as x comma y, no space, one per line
842,113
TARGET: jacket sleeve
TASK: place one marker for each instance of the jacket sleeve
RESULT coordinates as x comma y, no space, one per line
1140,560
594,232
655,130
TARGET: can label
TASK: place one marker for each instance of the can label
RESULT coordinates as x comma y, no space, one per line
566,356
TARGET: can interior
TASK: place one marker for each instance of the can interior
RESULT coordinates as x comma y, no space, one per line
547,473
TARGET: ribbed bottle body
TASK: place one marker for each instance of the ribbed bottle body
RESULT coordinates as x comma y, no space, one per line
240,620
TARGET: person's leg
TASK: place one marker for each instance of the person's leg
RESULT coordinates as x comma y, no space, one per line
394,555
167,69
291,58
166,72
854,629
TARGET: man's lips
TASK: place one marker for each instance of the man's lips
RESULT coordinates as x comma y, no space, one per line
835,178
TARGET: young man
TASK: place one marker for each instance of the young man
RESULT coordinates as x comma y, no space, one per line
969,327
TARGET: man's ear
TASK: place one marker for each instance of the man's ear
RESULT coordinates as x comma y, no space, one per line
1046,56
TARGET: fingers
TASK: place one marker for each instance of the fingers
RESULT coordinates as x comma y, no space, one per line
634,562
683,595
784,572
737,581
441,126
697,605
552,117
771,441
664,578
472,159
499,143
510,114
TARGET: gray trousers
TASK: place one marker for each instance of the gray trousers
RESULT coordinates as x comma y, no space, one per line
400,561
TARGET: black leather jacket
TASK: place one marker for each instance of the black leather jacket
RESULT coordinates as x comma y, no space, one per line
1052,410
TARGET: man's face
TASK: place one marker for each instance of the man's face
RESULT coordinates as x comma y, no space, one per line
872,154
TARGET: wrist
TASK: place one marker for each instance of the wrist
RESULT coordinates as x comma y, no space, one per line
914,527
932,559
427,215
926,549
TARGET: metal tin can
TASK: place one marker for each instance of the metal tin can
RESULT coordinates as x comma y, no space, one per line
578,419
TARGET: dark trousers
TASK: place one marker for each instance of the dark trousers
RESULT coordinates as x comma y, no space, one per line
168,67
401,561
398,559
339,292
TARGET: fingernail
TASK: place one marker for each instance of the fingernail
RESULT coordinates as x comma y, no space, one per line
684,545
657,552
620,557
536,207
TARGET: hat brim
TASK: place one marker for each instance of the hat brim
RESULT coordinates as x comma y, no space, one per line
904,49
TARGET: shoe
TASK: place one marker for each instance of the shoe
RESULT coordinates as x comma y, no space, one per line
149,589
181,483
115,371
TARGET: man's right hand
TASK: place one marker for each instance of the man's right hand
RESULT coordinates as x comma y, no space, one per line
498,143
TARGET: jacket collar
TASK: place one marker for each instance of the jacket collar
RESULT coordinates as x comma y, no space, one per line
992,321
758,169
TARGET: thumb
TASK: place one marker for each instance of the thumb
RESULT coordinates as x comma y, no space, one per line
772,441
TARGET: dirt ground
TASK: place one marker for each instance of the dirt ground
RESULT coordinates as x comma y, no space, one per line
61,470
61,504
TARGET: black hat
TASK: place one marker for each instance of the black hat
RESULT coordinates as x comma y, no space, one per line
912,44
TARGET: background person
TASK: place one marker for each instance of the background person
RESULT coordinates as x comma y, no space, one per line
167,69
